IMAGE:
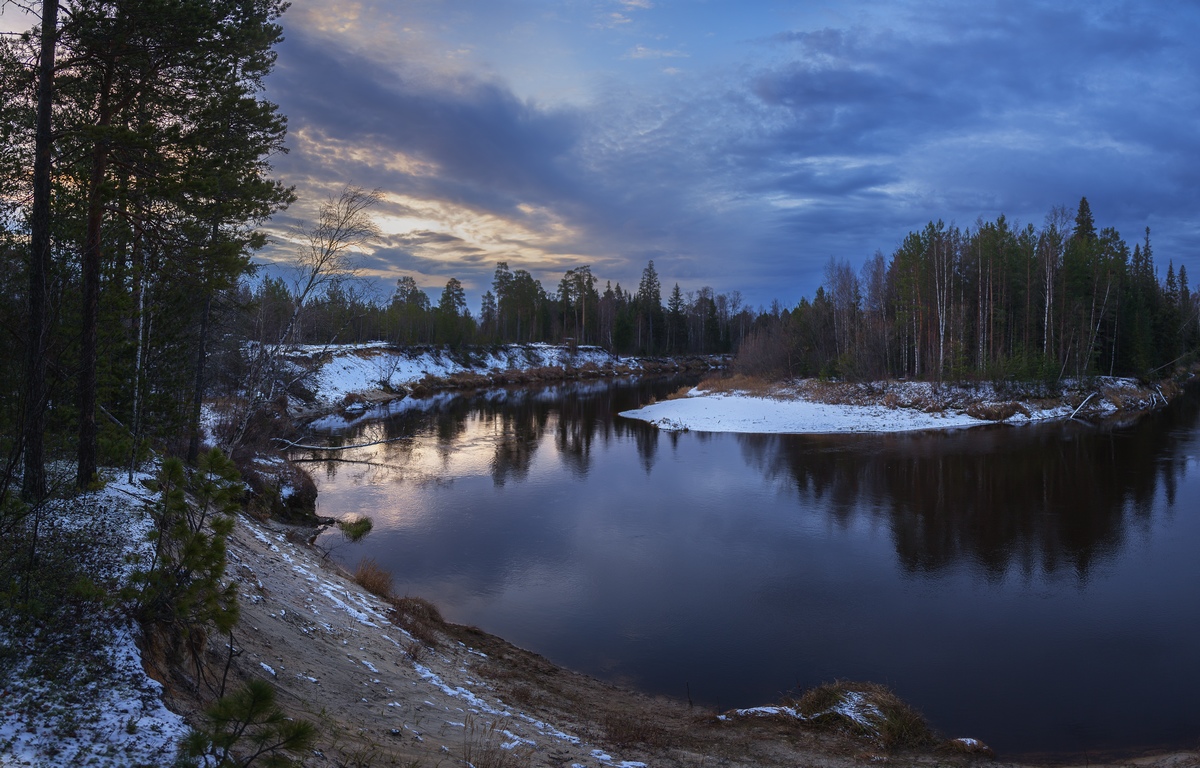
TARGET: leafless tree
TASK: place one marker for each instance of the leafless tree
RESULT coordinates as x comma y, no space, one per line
324,257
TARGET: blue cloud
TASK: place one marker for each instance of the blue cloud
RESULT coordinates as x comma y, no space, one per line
822,141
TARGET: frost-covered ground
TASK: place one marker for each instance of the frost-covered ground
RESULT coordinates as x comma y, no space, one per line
98,709
910,406
353,369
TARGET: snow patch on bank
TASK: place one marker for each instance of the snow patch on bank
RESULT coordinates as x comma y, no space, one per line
358,368
746,413
913,406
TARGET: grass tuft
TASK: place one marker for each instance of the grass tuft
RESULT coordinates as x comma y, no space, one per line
487,745
626,730
373,578
355,529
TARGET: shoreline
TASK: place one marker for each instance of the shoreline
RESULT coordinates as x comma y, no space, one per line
410,690
812,407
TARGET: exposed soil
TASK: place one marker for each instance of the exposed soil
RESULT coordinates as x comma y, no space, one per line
439,694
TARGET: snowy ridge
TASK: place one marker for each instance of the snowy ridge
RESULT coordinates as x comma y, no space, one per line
352,369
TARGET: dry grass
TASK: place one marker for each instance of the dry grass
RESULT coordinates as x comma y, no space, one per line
486,745
522,695
629,729
679,394
419,617
372,577
741,383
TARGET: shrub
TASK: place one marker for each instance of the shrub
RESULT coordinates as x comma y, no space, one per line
181,589
244,727
419,617
867,709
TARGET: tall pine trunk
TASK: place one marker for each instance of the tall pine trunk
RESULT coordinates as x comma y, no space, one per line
89,342
33,486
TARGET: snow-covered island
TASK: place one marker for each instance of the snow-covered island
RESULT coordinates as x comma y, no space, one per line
811,407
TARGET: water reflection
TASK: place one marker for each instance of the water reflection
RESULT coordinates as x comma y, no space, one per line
988,575
1054,498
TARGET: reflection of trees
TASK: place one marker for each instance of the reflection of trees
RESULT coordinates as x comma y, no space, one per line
647,444
519,431
1056,496
516,421
575,431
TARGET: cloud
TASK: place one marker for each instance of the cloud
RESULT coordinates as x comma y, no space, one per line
823,140
642,52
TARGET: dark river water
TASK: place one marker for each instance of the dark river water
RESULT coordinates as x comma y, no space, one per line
1034,587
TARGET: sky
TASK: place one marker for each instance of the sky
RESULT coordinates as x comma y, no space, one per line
739,145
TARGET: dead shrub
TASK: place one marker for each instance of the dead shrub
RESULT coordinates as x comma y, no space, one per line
419,617
414,650
467,380
372,577
522,694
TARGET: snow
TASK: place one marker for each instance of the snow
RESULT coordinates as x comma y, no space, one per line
746,413
352,369
915,406
110,714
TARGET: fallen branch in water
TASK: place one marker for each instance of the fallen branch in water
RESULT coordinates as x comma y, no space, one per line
288,444
1085,402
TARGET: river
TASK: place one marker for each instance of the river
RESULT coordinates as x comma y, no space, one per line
1035,587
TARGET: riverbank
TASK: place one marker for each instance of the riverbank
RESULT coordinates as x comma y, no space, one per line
354,377
740,404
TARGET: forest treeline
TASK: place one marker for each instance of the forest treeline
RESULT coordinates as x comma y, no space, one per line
133,178
517,308
994,302
997,301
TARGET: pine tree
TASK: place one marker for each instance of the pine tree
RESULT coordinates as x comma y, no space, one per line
162,141
1085,225
649,302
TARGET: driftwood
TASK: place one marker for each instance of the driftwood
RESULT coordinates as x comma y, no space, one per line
289,445
1085,402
